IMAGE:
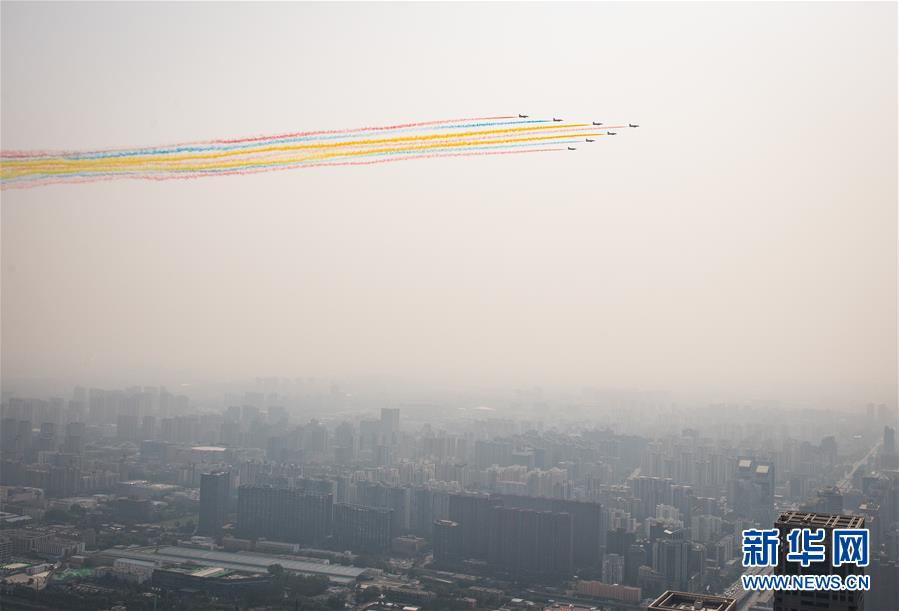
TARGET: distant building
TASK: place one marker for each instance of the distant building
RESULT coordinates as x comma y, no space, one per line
447,541
528,542
599,589
751,492
586,517
472,513
215,493
390,424
360,528
284,514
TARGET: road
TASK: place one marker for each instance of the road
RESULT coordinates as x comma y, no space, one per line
846,483
747,598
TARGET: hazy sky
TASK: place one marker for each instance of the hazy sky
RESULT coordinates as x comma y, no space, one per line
743,240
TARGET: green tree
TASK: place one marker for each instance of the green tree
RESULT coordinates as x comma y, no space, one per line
369,594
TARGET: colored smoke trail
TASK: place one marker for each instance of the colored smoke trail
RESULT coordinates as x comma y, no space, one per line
326,148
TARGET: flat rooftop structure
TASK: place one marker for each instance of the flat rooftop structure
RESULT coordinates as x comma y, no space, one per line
687,601
238,561
805,519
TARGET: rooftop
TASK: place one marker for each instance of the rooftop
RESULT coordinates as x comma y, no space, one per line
686,601
240,561
820,520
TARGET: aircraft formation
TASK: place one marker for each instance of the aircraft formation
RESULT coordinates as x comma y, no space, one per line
473,136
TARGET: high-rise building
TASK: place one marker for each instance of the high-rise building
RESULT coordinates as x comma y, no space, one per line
390,424
127,427
751,492
63,481
671,559
362,528
74,441
284,514
651,492
488,453
527,542
215,493
613,568
447,541
587,522
472,513
46,439
837,600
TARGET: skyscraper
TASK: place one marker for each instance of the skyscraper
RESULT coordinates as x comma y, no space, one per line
472,513
390,424
751,492
215,492
447,541
837,600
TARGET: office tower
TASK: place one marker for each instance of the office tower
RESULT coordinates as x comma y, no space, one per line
447,541
283,514
687,601
390,424
751,492
362,528
215,493
527,542
826,600
472,513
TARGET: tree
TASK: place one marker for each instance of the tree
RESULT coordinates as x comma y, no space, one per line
369,594
310,586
